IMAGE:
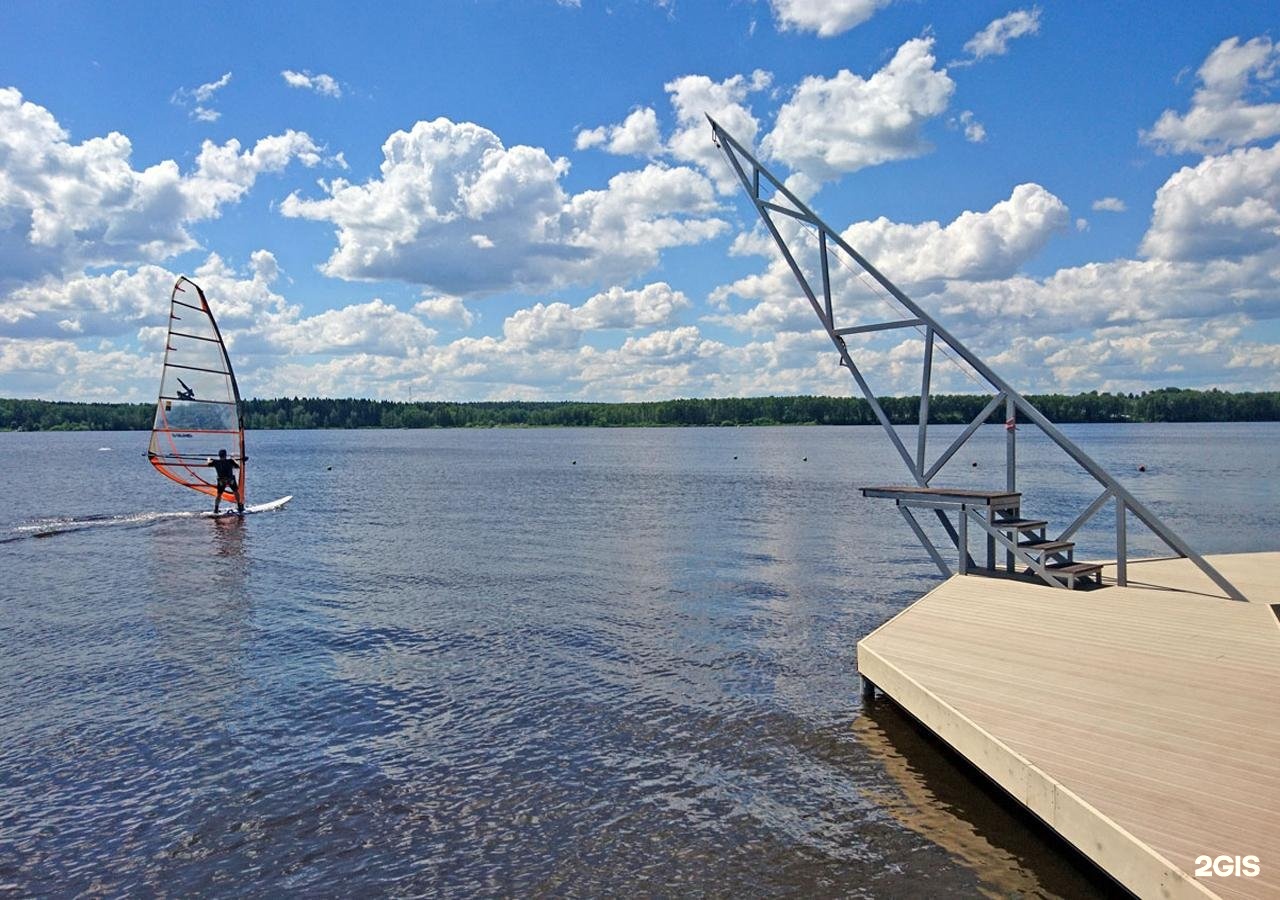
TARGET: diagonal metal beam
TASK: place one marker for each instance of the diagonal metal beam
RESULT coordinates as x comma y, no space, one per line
923,536
763,208
964,437
799,210
830,319
1090,511
880,414
924,398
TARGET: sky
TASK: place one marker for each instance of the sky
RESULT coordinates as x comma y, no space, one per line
520,199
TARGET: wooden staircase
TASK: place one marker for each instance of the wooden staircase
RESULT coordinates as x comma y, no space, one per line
1056,557
1029,551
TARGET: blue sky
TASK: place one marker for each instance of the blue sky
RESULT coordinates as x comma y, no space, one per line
491,200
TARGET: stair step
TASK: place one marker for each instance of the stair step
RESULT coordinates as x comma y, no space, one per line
1071,571
1075,568
1046,546
1020,524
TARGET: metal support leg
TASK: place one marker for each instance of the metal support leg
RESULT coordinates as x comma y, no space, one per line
868,690
991,541
1122,548
1010,445
1008,554
964,540
1011,462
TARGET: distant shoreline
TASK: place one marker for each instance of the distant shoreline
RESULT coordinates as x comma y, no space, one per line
1163,405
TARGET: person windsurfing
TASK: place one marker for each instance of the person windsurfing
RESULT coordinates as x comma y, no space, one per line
226,471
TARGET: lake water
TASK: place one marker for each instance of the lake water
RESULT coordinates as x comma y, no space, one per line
516,662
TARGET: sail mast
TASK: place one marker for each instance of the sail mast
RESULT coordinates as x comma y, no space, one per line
231,374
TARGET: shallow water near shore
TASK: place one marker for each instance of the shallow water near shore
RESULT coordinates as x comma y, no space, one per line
563,661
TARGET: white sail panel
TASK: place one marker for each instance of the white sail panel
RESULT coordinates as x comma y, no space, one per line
198,410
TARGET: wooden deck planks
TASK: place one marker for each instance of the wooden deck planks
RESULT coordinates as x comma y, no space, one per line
1253,573
1143,722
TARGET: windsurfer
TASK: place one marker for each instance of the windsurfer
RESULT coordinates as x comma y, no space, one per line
226,471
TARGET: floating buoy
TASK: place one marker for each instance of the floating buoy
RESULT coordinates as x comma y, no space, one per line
574,463
328,468
804,459
974,464
735,457
1142,468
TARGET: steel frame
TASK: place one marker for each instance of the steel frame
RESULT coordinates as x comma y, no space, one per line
752,174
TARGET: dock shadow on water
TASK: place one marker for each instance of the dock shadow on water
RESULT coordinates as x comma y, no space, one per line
942,797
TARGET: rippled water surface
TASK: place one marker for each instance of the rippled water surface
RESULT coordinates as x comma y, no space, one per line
514,662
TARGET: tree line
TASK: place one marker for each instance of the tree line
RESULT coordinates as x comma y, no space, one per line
1163,405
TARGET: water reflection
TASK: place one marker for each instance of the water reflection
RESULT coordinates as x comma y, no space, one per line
947,801
228,538
198,621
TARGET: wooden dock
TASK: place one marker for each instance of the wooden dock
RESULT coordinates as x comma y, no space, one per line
1140,723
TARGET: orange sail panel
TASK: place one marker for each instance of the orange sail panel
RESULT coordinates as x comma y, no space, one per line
198,412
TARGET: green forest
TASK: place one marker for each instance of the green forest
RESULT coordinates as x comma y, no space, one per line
1164,405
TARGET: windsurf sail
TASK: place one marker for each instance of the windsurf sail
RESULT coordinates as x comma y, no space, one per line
198,412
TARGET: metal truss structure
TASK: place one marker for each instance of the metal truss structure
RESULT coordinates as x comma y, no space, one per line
781,205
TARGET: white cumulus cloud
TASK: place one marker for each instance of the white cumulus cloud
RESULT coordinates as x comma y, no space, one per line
694,97
325,85
1216,352
542,325
974,131
976,246
638,135
197,99
87,305
994,39
65,205
1120,293
445,184
1109,204
375,327
1222,115
445,309
825,17
1225,206
653,304
830,126
922,258
561,325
